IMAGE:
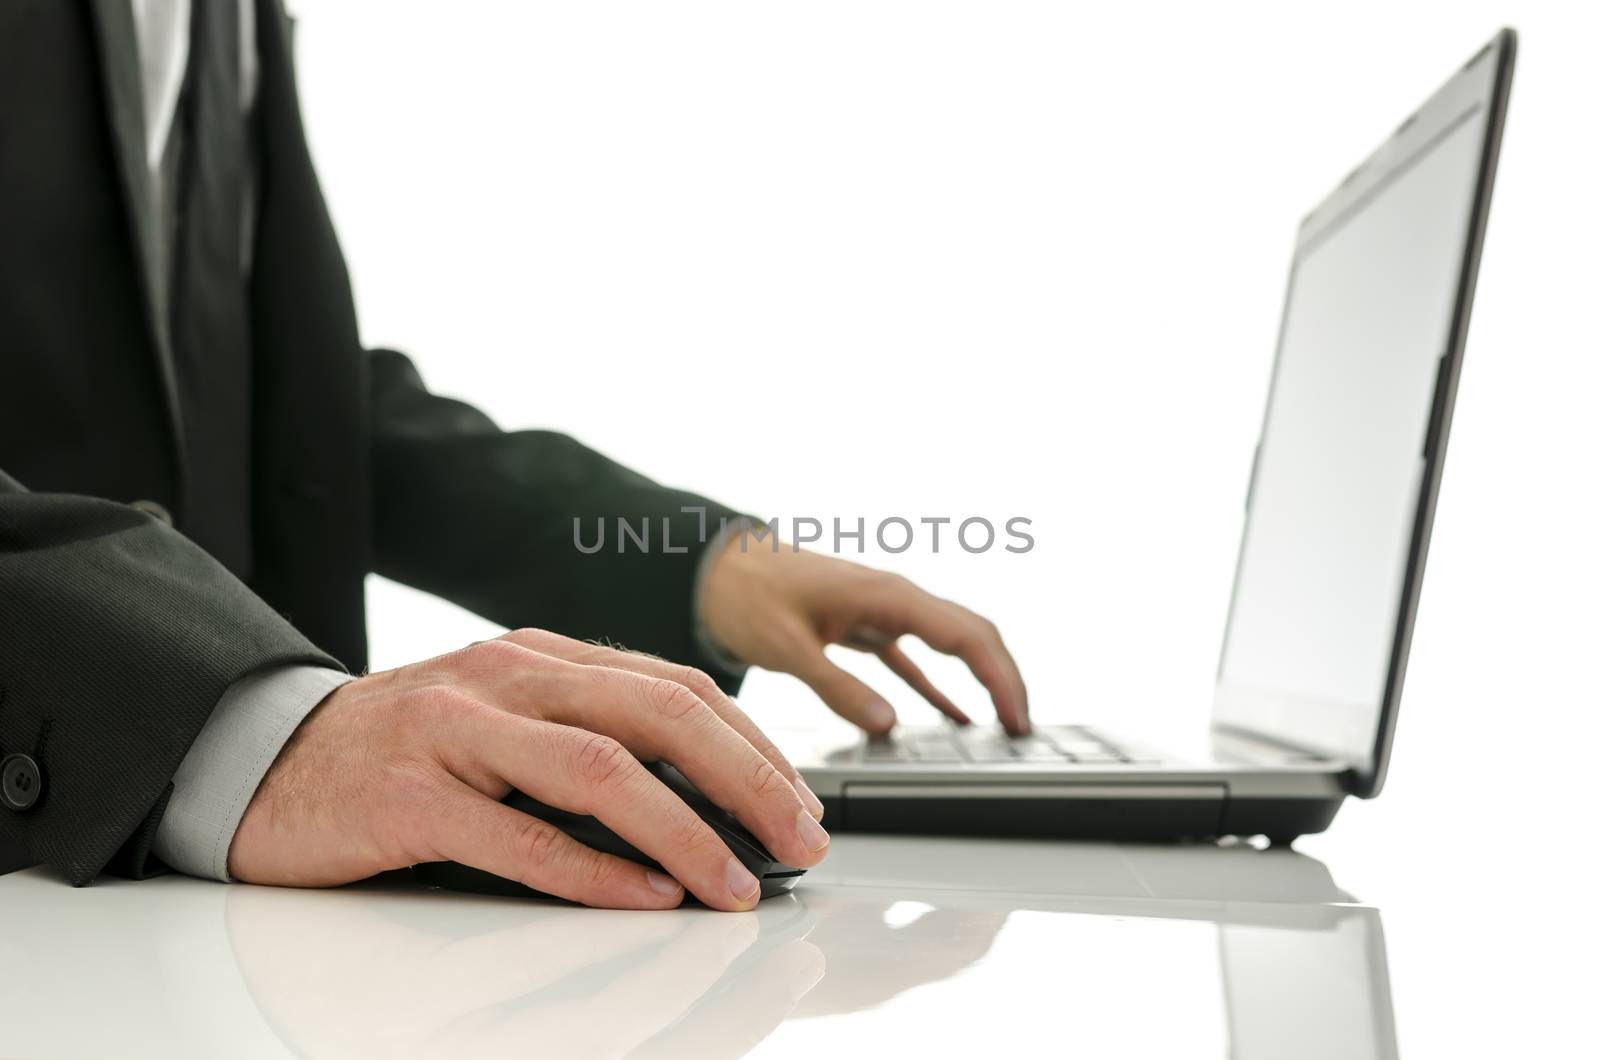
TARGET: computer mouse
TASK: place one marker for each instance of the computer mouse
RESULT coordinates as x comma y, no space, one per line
776,877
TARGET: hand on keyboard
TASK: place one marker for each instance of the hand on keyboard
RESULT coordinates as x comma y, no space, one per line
779,608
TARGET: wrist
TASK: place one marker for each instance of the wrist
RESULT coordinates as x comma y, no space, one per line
730,577
225,766
713,586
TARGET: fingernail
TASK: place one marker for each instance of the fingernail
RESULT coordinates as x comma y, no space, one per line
809,798
811,833
877,715
743,886
664,885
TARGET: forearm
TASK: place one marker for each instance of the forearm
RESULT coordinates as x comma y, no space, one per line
526,528
117,638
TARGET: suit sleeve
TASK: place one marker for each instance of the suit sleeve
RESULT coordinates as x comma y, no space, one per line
118,637
493,520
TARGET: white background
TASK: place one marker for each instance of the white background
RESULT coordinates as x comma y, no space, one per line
869,259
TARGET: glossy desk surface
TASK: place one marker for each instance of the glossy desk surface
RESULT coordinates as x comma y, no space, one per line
942,947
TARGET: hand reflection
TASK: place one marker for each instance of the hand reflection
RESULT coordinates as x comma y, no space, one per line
891,946
342,974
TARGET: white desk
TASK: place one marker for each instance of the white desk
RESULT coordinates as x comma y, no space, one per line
906,946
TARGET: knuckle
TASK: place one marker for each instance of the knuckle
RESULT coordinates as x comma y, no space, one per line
536,843
693,838
591,871
529,637
600,761
765,780
496,654
697,681
965,639
672,700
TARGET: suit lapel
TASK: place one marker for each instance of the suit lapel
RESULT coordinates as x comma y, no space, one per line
119,64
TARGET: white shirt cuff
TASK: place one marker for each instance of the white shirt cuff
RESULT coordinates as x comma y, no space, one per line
223,768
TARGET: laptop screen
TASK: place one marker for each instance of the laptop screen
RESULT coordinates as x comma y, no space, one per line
1341,473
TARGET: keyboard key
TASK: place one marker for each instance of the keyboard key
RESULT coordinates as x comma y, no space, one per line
991,754
1043,754
953,745
949,756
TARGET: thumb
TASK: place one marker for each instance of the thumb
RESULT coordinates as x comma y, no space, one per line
847,695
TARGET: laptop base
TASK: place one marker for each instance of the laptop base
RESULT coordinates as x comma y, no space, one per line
973,811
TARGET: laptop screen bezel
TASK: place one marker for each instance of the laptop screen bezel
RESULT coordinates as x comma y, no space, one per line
1248,710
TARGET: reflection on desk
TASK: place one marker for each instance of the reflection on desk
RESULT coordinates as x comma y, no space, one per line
950,947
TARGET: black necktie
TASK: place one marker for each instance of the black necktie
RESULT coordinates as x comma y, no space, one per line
210,313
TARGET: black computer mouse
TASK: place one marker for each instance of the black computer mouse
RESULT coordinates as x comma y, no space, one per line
776,877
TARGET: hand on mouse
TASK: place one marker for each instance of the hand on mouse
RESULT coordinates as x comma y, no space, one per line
778,609
409,765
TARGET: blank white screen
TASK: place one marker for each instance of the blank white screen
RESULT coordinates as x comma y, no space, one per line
1335,493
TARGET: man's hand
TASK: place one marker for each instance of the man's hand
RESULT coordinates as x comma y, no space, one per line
778,610
409,765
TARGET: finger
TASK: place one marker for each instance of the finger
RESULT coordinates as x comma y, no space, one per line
741,723
655,718
696,681
845,694
477,831
897,660
590,773
953,630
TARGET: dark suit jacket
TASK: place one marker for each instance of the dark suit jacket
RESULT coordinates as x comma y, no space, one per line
118,634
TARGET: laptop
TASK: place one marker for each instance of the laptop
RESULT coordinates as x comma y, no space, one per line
1338,514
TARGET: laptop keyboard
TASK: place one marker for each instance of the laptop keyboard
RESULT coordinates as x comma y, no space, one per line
952,745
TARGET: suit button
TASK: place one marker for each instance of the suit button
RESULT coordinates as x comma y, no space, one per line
153,510
20,782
